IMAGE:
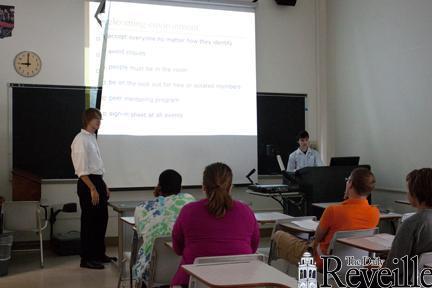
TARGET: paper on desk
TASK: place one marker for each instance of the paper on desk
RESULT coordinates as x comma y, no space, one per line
307,224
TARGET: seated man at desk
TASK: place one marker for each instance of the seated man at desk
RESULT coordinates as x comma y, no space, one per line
353,214
156,218
304,156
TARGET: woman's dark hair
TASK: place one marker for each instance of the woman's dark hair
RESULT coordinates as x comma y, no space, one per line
363,181
420,185
217,181
170,182
90,114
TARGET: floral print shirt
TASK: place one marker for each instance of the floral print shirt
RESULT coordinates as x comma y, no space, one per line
155,218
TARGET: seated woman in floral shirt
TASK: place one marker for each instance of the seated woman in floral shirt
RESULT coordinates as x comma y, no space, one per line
156,218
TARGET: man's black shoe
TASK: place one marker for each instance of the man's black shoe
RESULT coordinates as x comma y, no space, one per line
92,265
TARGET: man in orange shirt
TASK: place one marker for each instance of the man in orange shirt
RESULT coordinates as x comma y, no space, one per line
353,214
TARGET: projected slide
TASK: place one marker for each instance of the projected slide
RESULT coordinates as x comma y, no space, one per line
178,71
179,89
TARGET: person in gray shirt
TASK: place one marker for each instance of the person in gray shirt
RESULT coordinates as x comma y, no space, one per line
414,236
304,156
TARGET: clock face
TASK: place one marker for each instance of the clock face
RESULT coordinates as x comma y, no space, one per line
27,64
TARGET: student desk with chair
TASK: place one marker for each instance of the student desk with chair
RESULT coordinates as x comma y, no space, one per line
405,202
384,216
240,274
379,243
270,217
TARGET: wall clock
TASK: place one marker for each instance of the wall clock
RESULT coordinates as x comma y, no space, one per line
27,63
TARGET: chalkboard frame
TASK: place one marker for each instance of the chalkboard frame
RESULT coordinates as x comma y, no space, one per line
88,102
267,165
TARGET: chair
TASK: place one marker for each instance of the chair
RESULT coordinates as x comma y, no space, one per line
425,258
25,216
164,263
194,283
341,250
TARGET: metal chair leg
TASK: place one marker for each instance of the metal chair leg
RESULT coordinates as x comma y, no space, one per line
41,250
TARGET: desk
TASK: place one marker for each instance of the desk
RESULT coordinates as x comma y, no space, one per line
387,216
123,209
240,274
405,202
296,228
128,220
284,199
270,217
379,243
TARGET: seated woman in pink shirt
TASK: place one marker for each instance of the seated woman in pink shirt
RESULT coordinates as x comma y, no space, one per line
215,226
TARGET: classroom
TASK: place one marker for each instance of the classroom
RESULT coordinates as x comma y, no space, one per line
215,143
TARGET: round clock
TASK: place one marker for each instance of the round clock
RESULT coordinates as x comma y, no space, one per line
27,63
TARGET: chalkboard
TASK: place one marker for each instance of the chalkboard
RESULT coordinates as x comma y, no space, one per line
280,118
45,119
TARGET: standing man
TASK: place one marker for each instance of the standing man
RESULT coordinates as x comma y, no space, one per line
92,191
304,156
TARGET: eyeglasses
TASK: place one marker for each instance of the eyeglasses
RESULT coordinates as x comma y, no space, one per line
347,179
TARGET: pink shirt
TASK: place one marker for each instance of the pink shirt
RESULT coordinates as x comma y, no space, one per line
196,233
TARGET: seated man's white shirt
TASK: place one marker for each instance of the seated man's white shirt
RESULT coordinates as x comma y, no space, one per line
298,160
85,155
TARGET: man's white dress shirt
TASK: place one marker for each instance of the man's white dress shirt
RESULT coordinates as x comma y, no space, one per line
85,154
298,160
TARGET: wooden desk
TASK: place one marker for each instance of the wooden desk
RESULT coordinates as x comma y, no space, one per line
297,229
270,217
240,274
128,220
379,243
390,216
123,209
405,202
324,205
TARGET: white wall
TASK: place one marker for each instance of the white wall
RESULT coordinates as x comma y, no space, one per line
286,62
380,84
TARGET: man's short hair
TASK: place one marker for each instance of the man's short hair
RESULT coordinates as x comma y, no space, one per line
420,185
90,114
363,181
302,135
170,182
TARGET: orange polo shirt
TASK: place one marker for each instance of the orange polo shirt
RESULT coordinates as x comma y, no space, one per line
352,214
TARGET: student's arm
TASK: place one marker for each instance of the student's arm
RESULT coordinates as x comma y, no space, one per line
323,227
291,164
178,235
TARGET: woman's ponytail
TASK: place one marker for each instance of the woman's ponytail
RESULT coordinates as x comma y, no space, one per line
217,182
